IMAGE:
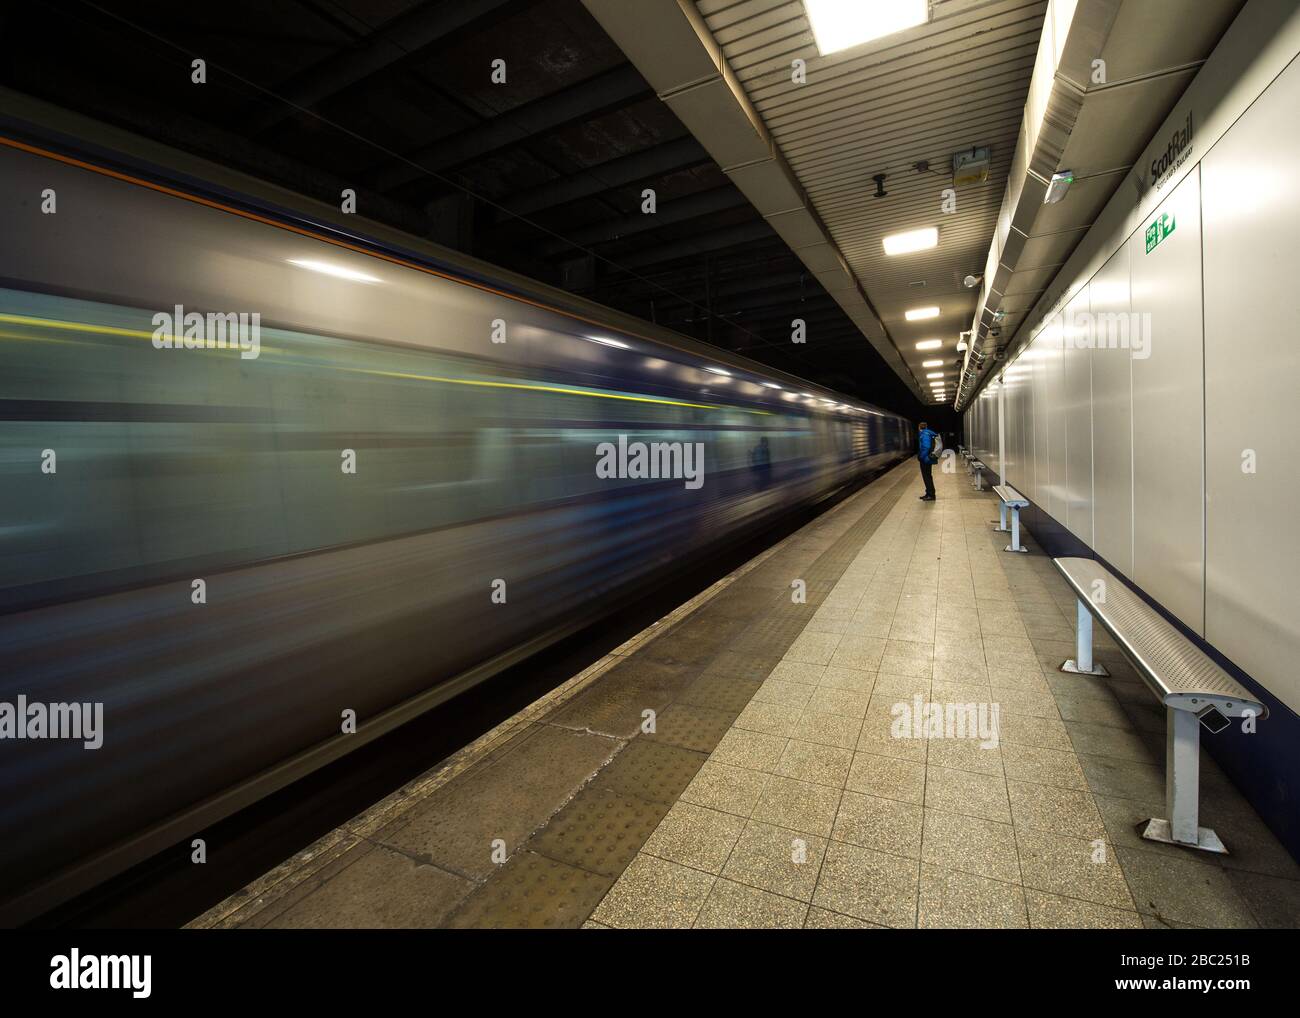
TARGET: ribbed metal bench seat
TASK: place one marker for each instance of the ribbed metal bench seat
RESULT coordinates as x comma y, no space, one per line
1194,690
1009,498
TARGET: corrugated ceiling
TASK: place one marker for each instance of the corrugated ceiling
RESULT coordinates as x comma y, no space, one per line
958,82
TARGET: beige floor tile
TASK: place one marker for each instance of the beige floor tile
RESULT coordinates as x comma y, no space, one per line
1042,766
891,689
1048,733
798,805
1034,705
875,886
654,894
776,859
723,787
824,919
967,792
797,671
1055,810
733,906
856,680
753,750
695,836
845,702
904,658
878,736
827,729
1053,912
979,755
887,777
858,651
971,845
956,900
768,718
885,825
811,761
814,648
1072,868
966,691
784,694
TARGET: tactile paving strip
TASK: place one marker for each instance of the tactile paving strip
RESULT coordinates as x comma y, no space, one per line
599,830
591,840
651,770
532,892
720,692
689,727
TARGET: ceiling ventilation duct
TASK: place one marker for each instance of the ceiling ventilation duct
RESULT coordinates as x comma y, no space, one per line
1107,74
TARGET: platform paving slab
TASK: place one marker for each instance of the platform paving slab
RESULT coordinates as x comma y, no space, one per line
776,789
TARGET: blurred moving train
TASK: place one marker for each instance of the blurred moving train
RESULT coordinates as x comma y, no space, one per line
130,472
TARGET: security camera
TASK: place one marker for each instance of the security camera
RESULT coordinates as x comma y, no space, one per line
970,282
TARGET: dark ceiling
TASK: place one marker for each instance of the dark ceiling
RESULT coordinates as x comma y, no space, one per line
542,175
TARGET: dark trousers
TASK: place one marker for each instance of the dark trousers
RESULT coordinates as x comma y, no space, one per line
928,476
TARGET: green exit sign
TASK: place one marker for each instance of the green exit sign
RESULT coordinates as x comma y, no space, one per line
1160,228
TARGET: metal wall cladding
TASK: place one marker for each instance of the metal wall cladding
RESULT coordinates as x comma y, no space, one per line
1076,360
1168,418
1155,404
1057,438
1252,359
1042,437
1112,416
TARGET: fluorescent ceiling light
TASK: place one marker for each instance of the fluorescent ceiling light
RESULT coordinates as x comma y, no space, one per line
912,240
936,363
935,374
921,314
929,344
606,341
719,371
770,385
839,24
334,270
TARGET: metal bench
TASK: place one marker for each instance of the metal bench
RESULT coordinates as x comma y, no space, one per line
1009,498
1194,690
978,468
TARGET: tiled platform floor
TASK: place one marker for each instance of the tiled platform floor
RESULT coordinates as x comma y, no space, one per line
772,791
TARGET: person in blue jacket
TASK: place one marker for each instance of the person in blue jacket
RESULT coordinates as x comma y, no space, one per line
924,447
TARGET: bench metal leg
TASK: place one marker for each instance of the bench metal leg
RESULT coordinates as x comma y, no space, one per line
1082,663
1015,544
1001,528
1182,787
979,480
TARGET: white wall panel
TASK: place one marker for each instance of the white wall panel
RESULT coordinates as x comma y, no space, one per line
1056,434
1252,361
1112,414
1076,358
1168,419
1147,434
1016,431
1042,452
1027,395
